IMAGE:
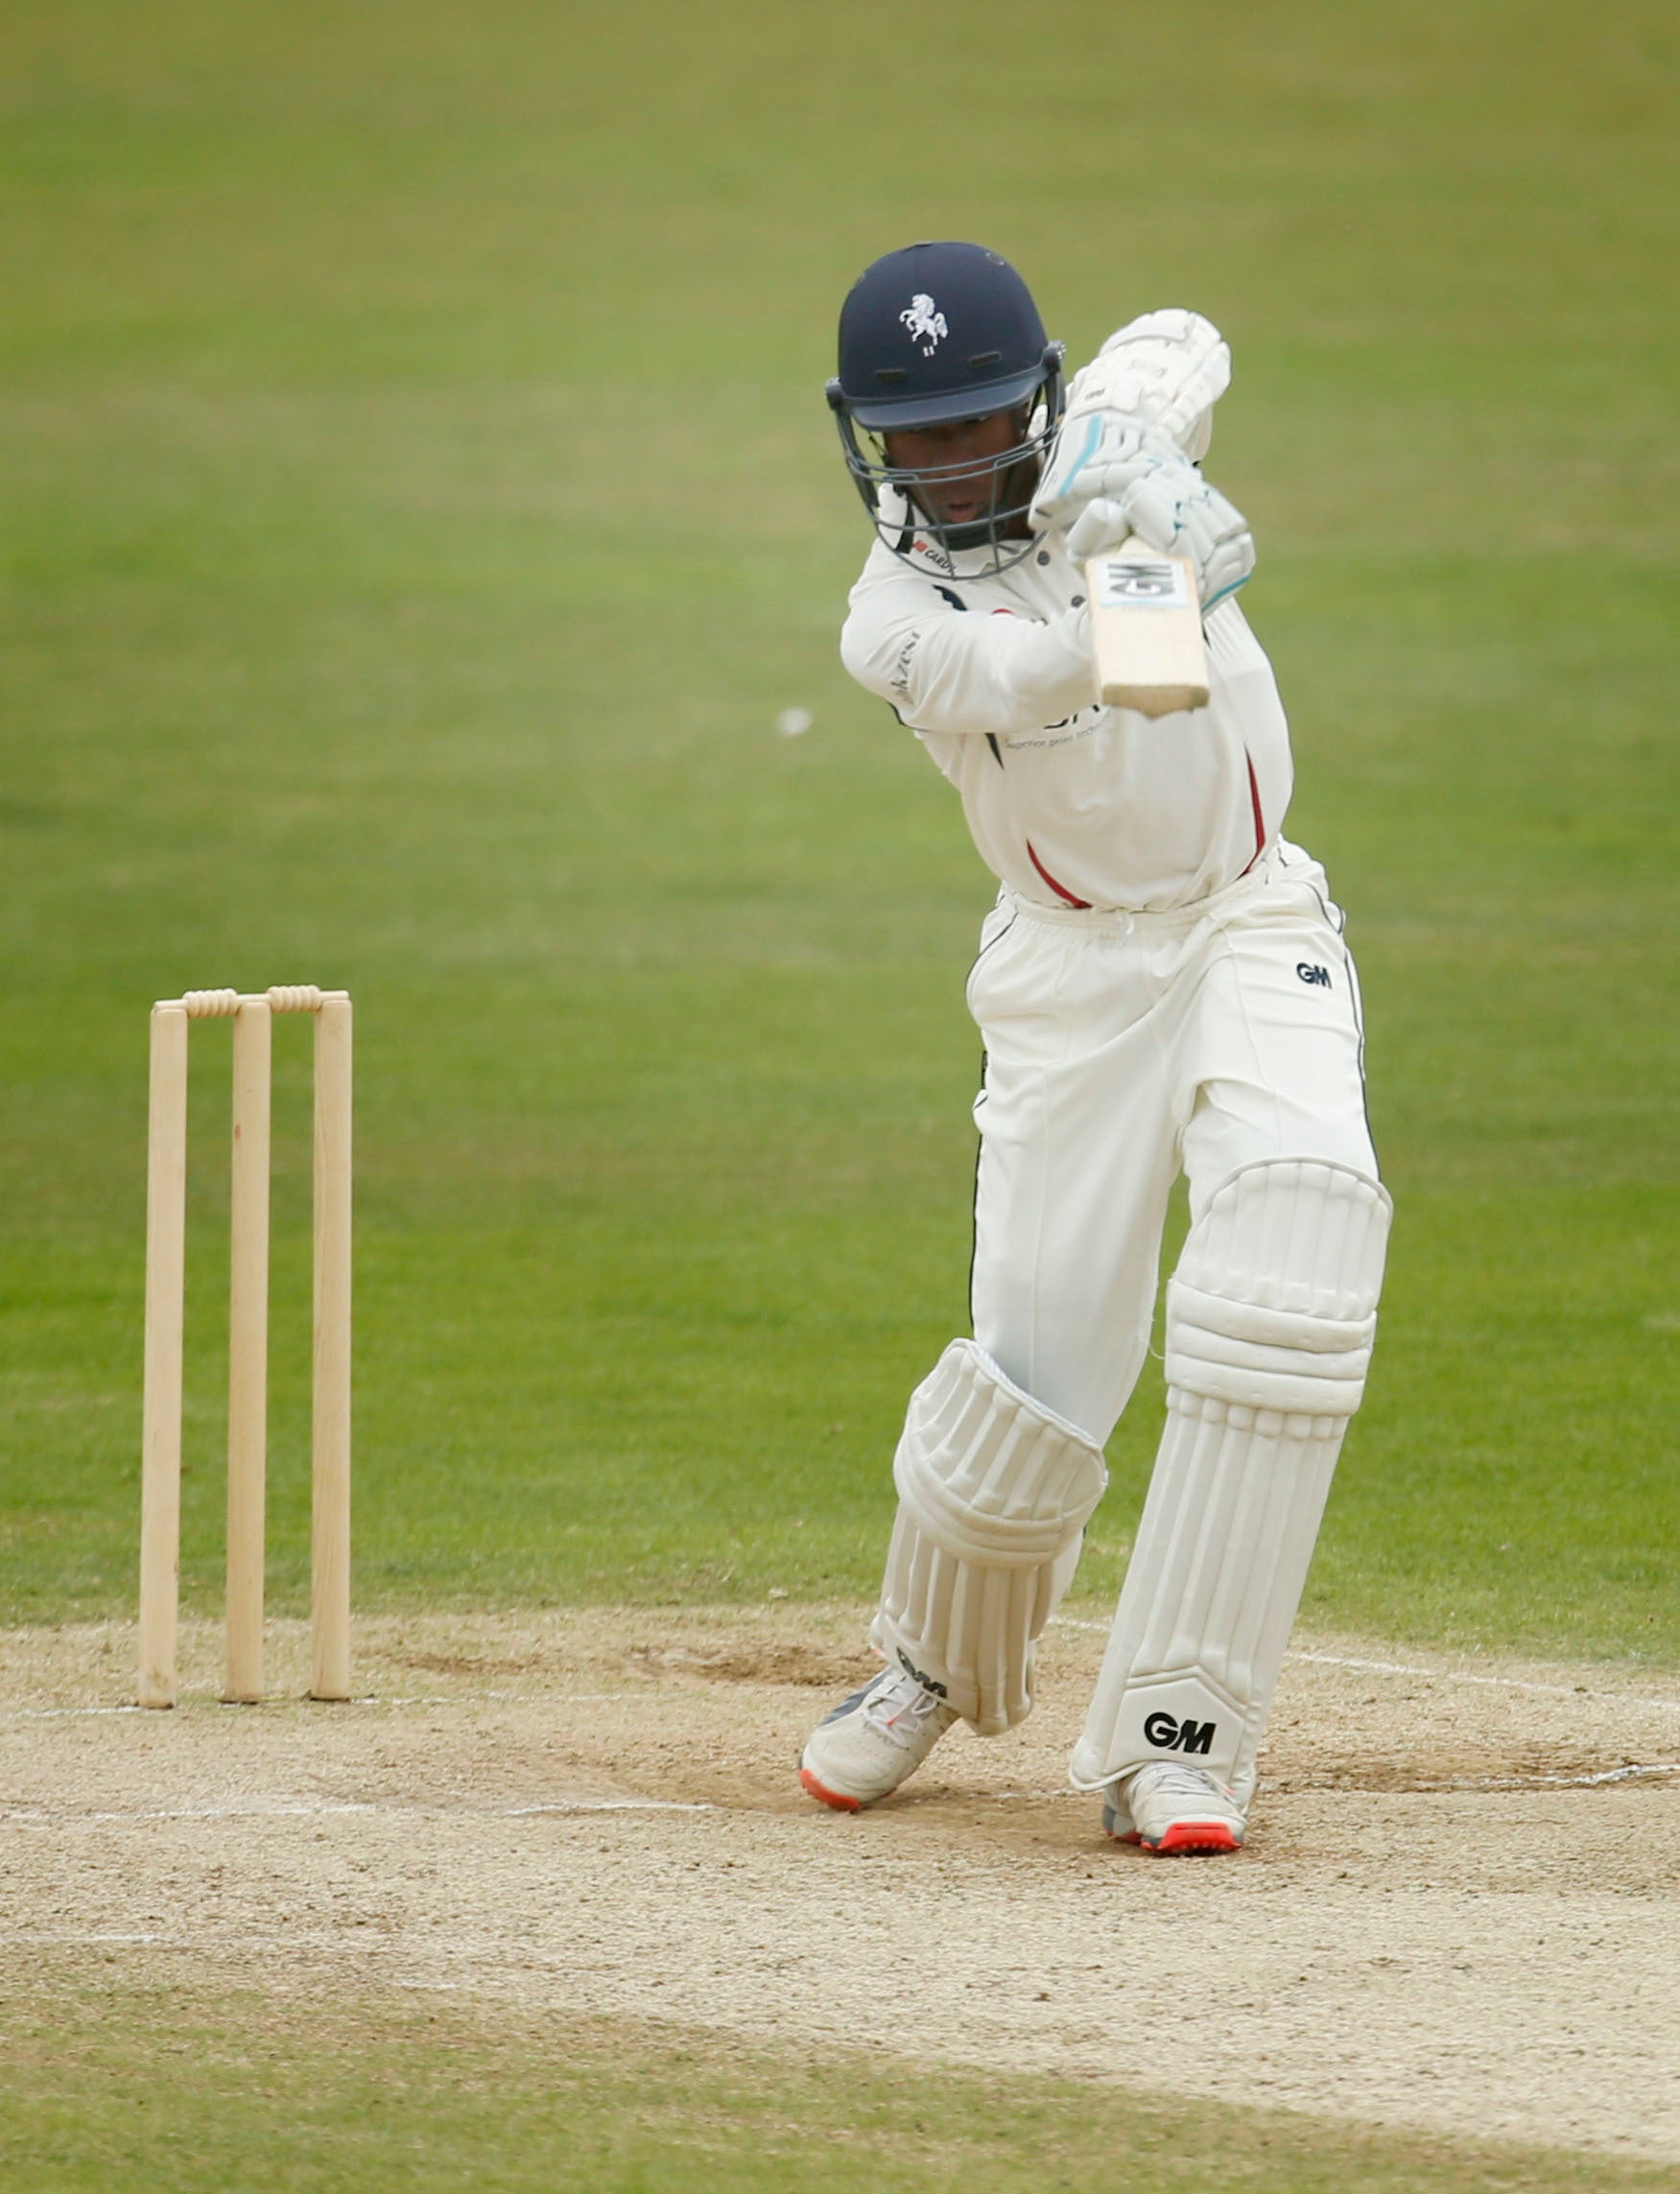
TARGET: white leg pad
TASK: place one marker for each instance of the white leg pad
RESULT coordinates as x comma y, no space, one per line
1271,1319
994,1491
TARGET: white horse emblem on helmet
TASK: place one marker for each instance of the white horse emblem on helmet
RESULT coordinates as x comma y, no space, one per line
924,319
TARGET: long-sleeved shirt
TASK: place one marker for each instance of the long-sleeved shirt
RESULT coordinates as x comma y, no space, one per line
1071,803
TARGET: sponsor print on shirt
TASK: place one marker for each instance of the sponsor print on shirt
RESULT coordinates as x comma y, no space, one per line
1062,733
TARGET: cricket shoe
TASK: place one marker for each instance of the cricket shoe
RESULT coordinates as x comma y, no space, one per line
1168,1808
873,1740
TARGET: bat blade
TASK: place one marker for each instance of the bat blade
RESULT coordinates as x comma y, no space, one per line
1146,630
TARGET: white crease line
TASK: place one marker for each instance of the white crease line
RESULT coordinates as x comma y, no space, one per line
60,1713
475,1698
37,1937
369,1699
40,1817
1433,1675
1565,1781
1434,1789
1500,1682
604,1806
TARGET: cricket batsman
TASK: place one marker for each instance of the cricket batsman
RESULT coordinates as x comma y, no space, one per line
1162,987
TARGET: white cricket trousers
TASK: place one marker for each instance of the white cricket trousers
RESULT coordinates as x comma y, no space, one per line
1122,1049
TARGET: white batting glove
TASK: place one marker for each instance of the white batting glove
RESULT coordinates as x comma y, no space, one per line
1174,509
1168,369
1145,399
1104,453
1137,418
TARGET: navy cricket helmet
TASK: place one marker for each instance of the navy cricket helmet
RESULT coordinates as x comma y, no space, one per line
929,336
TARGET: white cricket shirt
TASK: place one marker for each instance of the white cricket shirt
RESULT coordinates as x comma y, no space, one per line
1071,803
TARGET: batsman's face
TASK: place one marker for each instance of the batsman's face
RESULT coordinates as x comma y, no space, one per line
958,483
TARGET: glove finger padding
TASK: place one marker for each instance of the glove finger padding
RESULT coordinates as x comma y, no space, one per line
1101,455
1174,509
1100,528
1168,368
1137,416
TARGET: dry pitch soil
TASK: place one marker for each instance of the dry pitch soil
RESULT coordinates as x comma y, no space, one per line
1457,1910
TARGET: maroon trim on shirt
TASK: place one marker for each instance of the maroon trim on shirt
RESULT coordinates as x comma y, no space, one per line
1060,889
1259,817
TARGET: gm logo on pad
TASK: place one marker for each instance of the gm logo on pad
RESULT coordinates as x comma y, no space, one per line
1173,1736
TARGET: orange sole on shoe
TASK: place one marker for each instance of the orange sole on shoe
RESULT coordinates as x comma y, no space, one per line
827,1796
1187,1838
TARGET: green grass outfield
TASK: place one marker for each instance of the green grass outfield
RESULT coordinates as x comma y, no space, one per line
417,507
122,2093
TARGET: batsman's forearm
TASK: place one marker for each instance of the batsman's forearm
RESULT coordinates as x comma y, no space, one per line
974,675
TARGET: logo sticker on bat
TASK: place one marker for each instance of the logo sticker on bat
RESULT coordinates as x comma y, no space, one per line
1141,582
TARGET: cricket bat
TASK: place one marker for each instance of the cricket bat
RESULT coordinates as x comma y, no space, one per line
1146,630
